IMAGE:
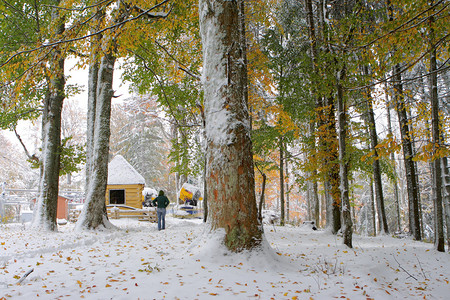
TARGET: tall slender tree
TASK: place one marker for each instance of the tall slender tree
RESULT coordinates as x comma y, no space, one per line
101,92
439,241
407,146
375,163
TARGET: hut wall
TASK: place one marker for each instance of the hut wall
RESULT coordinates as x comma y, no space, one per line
133,194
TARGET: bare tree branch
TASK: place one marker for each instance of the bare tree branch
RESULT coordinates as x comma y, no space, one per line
403,268
185,68
31,157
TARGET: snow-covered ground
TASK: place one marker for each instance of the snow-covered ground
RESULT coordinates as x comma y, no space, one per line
137,261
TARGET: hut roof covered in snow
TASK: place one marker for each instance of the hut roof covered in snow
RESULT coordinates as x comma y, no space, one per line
121,172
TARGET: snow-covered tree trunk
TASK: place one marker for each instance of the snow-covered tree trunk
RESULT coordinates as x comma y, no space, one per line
92,96
230,174
47,201
347,225
92,101
446,196
94,210
372,208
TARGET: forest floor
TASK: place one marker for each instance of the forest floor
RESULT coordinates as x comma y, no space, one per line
185,261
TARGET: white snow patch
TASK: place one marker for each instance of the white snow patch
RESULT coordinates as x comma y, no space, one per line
186,261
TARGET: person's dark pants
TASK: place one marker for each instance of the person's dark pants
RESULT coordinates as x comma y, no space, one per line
161,213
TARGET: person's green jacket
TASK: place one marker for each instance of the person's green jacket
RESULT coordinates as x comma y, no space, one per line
161,201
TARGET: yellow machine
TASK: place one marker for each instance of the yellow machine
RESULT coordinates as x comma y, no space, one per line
190,194
190,202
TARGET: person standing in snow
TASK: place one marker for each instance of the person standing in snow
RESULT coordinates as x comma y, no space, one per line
161,202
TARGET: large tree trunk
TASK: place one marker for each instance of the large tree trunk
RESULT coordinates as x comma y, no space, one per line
94,210
436,135
94,214
45,213
230,174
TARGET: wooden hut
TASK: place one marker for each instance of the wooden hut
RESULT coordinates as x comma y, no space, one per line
125,184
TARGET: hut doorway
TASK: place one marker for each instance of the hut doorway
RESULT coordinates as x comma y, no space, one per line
117,197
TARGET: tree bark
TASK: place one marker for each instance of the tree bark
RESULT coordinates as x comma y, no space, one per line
230,174
46,206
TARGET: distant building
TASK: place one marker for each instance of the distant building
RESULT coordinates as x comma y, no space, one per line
125,184
62,208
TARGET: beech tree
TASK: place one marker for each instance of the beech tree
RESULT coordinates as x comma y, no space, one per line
105,51
100,90
229,161
45,214
29,74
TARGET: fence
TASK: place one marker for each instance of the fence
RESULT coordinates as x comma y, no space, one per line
16,205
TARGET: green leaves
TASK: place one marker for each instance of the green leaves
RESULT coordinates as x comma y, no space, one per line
73,157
